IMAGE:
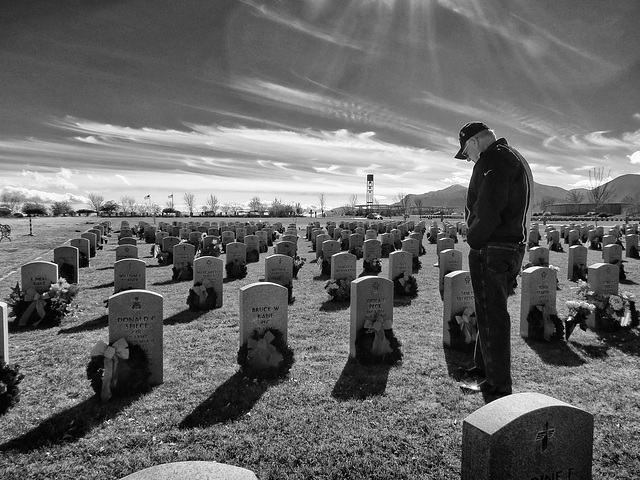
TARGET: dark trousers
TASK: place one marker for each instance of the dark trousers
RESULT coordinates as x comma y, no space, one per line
493,270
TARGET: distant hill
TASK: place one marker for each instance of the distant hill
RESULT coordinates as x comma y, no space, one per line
454,196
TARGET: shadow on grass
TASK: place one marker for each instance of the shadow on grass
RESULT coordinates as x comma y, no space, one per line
95,324
169,282
402,301
101,286
628,282
457,359
555,353
592,351
105,268
333,305
321,277
69,425
366,273
234,398
358,381
626,340
185,316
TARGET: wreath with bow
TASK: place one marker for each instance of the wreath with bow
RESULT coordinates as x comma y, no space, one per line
463,330
405,285
119,369
10,377
182,271
545,324
265,356
202,296
374,266
376,342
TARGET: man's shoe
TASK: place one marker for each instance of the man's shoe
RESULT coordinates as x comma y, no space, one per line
491,392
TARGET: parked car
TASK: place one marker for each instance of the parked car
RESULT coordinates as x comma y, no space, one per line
374,216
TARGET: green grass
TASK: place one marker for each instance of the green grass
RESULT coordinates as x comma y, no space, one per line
329,419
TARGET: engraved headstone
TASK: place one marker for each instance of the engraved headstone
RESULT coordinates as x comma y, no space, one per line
400,263
263,305
449,261
527,436
539,256
129,274
84,251
370,297
38,275
279,269
343,265
68,261
577,262
538,289
612,253
126,251
4,332
92,242
210,270
457,296
137,316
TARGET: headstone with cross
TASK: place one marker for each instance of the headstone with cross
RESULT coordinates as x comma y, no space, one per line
528,436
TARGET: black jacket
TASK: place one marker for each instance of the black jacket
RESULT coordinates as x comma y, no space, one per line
499,197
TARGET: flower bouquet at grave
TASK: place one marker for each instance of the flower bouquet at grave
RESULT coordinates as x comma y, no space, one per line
357,251
236,269
405,285
10,377
556,247
376,343
182,271
253,256
119,369
297,265
579,272
265,356
611,311
545,324
579,311
211,250
339,290
463,330
386,249
374,266
202,296
35,309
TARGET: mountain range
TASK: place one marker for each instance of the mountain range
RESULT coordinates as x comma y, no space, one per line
454,196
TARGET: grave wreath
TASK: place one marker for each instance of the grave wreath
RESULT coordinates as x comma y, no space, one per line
236,269
253,256
182,271
405,285
10,377
578,313
202,296
580,271
386,249
633,252
374,266
119,369
622,276
556,247
596,244
463,329
35,309
357,251
545,324
211,250
340,289
265,356
417,264
376,342
325,265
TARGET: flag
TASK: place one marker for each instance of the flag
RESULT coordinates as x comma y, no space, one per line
147,196
170,196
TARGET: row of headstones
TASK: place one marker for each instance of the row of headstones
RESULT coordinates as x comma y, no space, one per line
611,254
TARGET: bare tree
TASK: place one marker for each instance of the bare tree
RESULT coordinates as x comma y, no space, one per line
12,200
212,204
353,201
418,203
575,197
401,200
545,202
601,189
128,204
95,201
255,205
322,199
190,200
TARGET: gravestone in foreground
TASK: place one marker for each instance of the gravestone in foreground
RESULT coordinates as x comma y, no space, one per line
263,305
4,333
371,297
137,316
527,436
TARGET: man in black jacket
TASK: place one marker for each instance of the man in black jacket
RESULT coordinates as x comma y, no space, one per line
497,213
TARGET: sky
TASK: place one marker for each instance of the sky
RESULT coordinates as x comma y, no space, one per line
294,99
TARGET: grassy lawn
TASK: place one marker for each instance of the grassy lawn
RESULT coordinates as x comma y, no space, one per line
329,419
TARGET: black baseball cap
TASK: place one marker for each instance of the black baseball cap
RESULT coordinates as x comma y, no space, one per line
466,132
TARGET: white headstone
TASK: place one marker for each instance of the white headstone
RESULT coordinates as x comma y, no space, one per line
129,274
370,297
211,270
263,305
